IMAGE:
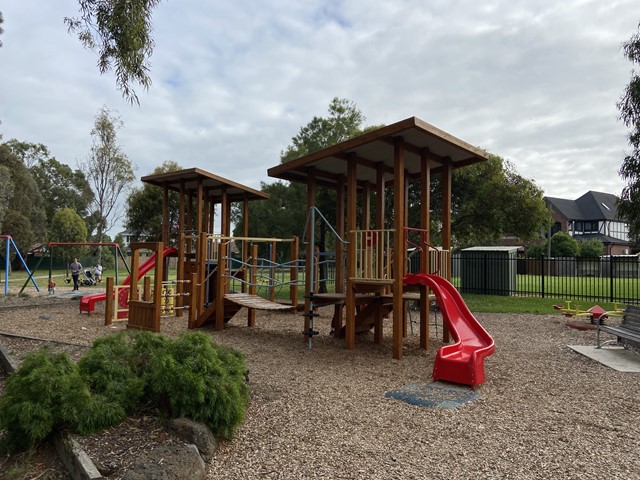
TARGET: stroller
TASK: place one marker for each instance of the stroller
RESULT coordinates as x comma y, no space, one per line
88,279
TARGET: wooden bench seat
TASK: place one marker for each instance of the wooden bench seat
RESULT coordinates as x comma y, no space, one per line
628,332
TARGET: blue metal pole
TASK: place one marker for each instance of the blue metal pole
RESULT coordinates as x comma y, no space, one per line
6,267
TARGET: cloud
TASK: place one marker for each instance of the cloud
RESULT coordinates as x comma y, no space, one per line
534,82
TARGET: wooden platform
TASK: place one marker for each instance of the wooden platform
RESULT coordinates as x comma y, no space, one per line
361,298
255,301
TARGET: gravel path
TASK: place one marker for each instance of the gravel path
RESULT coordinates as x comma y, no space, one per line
544,412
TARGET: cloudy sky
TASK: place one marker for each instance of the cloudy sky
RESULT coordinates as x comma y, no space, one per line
533,81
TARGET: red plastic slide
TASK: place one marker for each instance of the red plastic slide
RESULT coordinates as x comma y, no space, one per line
463,361
88,302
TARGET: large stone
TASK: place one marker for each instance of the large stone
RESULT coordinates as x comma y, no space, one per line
197,433
174,462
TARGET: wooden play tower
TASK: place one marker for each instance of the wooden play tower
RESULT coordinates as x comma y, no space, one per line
375,256
203,244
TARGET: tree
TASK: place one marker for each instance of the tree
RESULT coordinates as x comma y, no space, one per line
120,31
24,214
62,187
6,192
285,213
108,170
563,245
144,215
491,200
592,248
68,226
629,107
30,153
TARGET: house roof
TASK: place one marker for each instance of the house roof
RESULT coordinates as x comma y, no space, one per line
590,206
213,185
376,148
606,239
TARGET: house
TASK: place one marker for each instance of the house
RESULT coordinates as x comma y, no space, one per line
592,216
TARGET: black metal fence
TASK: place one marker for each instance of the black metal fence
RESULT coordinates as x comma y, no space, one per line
610,278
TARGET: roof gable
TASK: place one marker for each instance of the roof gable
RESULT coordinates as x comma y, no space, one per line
590,206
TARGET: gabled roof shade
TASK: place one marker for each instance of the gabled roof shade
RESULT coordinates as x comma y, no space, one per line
212,184
377,147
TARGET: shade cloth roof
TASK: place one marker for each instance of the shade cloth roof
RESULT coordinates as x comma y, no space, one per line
377,147
213,185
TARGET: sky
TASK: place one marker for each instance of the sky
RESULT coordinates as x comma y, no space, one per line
533,81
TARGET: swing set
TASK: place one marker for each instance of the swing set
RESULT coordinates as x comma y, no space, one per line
7,267
117,253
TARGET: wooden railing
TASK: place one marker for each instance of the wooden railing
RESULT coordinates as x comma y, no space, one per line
373,254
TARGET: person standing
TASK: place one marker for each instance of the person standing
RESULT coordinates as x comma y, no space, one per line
76,268
52,286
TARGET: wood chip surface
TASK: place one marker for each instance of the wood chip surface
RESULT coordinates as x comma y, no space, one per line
544,411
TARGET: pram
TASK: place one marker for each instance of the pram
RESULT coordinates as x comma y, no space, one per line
88,279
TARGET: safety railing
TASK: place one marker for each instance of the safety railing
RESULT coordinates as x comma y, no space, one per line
373,250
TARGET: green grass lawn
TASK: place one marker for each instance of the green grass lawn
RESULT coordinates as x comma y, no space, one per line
502,304
476,303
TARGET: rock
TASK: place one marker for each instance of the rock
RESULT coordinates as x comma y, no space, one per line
175,462
198,434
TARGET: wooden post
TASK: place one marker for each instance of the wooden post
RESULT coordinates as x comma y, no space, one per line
446,226
251,314
109,301
350,300
193,279
245,234
425,265
340,250
272,272
158,275
293,272
399,248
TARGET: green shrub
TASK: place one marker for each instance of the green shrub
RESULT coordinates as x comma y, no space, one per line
537,251
563,245
115,366
592,248
48,394
202,381
189,376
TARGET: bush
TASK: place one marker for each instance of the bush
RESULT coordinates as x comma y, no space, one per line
563,245
120,374
537,251
202,381
592,248
48,394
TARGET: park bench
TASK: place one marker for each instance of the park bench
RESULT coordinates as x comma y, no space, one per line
628,332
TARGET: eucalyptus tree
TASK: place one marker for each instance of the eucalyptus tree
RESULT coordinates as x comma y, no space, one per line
629,107
108,171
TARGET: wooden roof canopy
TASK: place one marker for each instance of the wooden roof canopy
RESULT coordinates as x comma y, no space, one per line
213,185
376,148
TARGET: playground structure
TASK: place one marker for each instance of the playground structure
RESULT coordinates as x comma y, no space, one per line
462,361
376,257
8,244
371,260
208,266
52,245
597,314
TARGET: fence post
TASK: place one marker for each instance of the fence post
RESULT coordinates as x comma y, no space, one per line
611,282
542,263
